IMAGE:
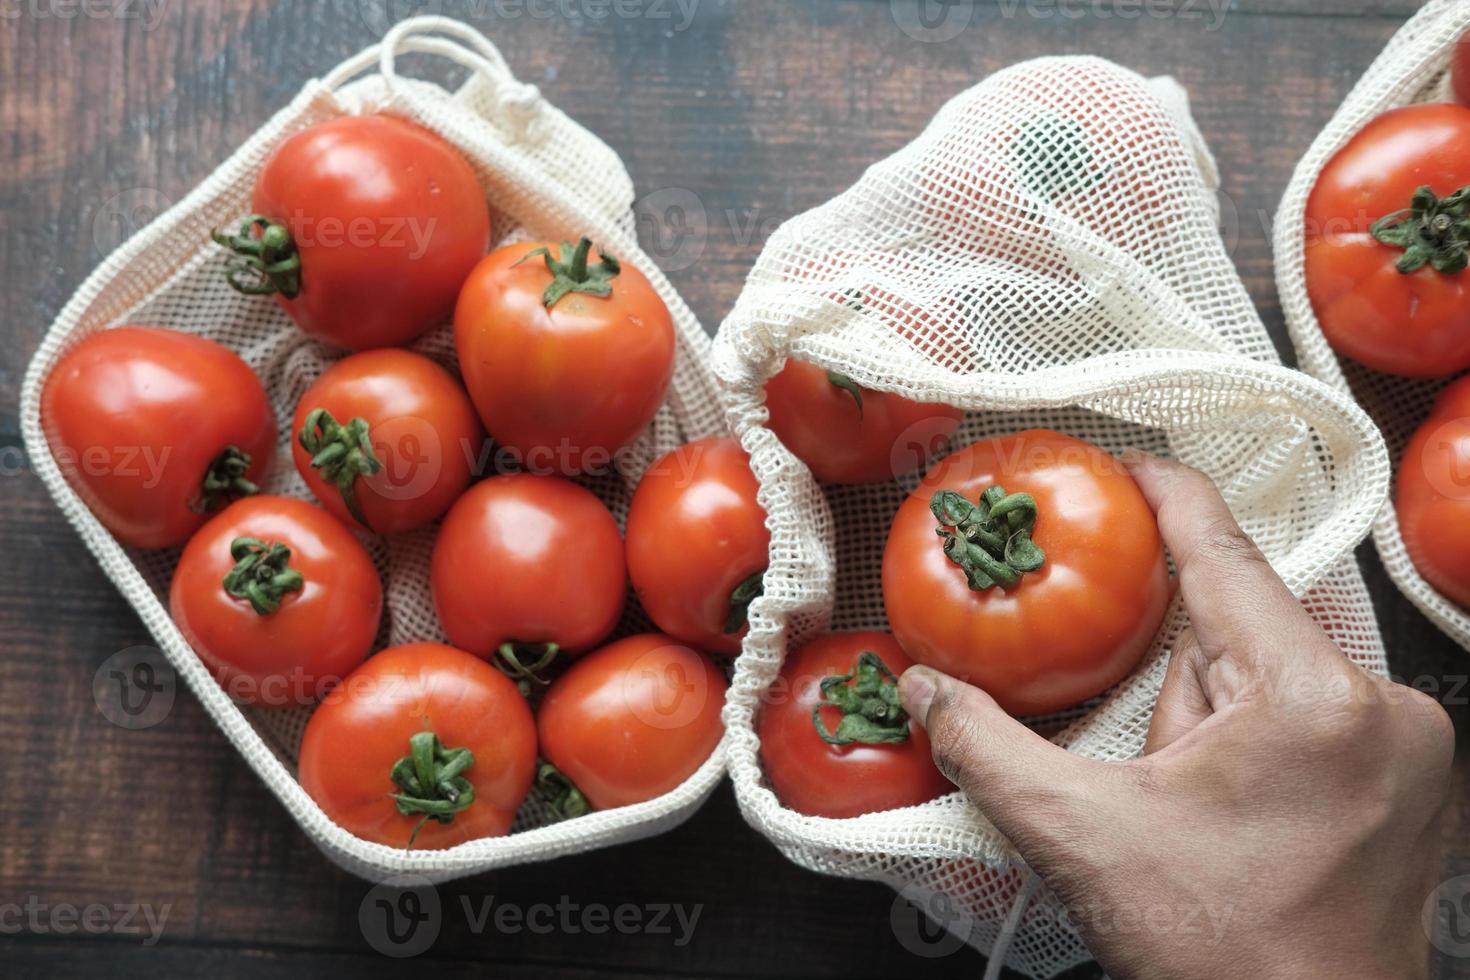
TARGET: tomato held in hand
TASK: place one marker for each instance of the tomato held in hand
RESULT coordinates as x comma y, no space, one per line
698,544
629,722
386,440
526,567
154,429
1433,495
567,361
834,739
279,600
1387,231
364,227
1029,565
848,434
422,746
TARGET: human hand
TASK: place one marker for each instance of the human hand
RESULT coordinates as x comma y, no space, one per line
1287,802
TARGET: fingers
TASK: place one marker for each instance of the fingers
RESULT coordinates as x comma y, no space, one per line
1183,701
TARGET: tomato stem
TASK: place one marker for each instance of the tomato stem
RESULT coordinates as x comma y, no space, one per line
990,540
867,696
563,799
224,481
341,453
511,659
262,574
265,263
1432,231
744,594
850,386
432,781
572,274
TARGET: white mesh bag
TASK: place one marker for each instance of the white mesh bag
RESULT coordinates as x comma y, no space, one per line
545,176
1043,254
1412,68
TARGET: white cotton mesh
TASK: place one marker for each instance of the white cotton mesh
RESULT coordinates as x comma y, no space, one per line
1043,254
546,177
1412,68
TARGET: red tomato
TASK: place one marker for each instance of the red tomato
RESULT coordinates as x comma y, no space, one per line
528,566
1460,71
279,600
155,428
1433,495
417,715
883,762
847,434
364,227
1383,257
567,362
631,721
386,440
1068,628
697,543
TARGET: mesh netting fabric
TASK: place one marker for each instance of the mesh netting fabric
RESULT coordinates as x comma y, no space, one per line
1043,254
1412,68
546,177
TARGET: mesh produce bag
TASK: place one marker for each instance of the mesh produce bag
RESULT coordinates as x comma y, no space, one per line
1413,68
1043,254
544,176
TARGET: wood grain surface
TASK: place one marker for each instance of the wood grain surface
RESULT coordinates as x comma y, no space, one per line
110,110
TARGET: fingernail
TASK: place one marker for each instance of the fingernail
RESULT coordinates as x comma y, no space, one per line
916,691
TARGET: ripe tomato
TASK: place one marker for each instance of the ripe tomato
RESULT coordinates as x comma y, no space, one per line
1460,71
154,428
423,746
1433,494
847,434
630,721
867,755
528,566
386,440
364,228
697,543
567,362
1386,237
1060,593
279,600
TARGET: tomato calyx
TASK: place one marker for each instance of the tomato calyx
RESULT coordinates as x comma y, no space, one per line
572,274
265,263
563,799
990,540
1056,159
848,385
224,481
341,453
526,663
1432,231
744,594
432,779
867,696
262,574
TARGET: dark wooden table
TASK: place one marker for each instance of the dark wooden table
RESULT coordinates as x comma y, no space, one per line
110,109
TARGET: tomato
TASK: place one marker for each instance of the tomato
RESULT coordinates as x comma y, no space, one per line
868,755
567,361
630,721
279,600
1063,603
1460,71
413,716
386,440
848,434
1386,235
1433,494
364,228
526,567
698,543
154,428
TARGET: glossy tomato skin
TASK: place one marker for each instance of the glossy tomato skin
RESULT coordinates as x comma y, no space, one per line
824,427
564,389
363,728
814,777
1064,633
632,720
528,559
1415,324
696,532
314,639
388,220
136,415
423,429
1432,497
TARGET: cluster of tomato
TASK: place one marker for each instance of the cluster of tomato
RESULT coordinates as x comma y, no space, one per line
1387,243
